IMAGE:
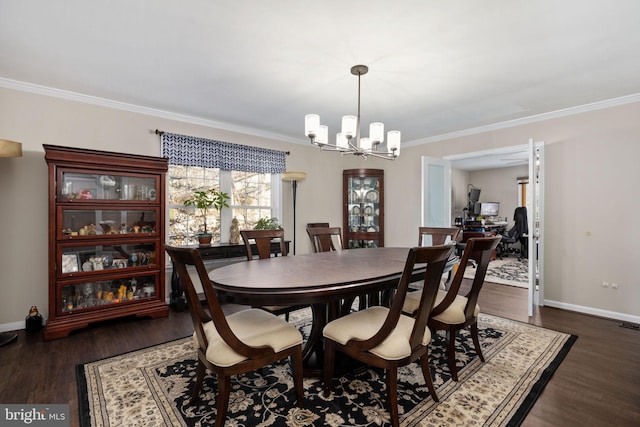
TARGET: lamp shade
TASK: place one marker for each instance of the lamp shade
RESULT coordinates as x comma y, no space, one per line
322,137
393,142
311,124
349,126
341,141
293,176
376,132
10,148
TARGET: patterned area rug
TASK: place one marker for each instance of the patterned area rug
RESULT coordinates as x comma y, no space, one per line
508,271
151,387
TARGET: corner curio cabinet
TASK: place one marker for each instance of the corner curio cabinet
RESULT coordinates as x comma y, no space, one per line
363,208
106,237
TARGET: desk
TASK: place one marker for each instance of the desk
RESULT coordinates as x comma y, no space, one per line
217,251
498,227
317,279
466,235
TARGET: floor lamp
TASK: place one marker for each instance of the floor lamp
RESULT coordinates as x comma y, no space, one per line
294,177
9,149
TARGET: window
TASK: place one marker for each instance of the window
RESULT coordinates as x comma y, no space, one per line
252,198
250,175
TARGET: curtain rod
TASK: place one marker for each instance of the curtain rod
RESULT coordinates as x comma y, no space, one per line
160,132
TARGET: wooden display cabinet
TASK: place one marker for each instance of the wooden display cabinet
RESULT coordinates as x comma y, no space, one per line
106,237
363,208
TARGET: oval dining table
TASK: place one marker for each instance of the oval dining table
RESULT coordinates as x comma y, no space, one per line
320,280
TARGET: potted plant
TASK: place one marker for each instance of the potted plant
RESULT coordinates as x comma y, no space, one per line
268,224
204,199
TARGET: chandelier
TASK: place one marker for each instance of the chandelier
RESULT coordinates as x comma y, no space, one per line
363,147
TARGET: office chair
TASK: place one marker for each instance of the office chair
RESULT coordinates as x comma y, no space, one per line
516,233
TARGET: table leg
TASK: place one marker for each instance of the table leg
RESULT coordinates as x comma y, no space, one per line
313,351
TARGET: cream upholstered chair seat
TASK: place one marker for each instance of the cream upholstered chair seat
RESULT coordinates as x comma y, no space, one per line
364,324
385,338
454,314
254,327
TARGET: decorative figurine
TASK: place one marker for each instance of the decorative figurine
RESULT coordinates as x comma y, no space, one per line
234,239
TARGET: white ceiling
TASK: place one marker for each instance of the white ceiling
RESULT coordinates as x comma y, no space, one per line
435,67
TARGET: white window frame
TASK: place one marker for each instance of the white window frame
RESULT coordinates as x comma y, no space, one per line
226,213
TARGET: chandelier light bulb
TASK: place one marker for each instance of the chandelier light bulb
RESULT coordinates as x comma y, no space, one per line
376,132
349,126
311,125
323,135
393,142
365,144
341,141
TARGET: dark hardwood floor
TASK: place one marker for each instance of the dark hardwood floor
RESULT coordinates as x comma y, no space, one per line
598,384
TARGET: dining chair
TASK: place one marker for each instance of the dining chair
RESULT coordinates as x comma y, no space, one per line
385,338
314,225
453,312
235,344
326,239
262,240
429,236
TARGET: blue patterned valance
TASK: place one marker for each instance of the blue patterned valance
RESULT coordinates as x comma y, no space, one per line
188,150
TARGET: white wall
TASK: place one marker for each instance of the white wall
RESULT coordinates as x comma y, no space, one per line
591,177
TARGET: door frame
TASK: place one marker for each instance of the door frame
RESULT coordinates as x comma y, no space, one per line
536,236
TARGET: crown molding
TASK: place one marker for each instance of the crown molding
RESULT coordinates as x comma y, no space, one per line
600,105
103,102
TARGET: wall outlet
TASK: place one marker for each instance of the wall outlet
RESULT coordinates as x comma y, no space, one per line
605,284
614,286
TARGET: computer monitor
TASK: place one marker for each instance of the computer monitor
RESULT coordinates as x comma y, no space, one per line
488,209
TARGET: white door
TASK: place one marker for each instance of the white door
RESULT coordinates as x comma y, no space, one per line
436,192
535,216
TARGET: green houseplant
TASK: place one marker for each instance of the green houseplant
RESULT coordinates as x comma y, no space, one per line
205,199
267,224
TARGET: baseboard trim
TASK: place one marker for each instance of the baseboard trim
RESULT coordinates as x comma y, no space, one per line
13,326
593,311
16,326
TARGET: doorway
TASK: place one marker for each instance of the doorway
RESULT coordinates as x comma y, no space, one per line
531,155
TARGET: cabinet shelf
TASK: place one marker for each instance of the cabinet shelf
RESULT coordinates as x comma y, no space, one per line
106,240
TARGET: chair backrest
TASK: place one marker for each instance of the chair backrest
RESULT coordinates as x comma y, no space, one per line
183,257
478,249
432,236
435,257
326,239
521,225
262,239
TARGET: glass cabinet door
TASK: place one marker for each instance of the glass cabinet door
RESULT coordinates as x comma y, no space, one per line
364,204
91,295
90,258
363,208
82,221
92,186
